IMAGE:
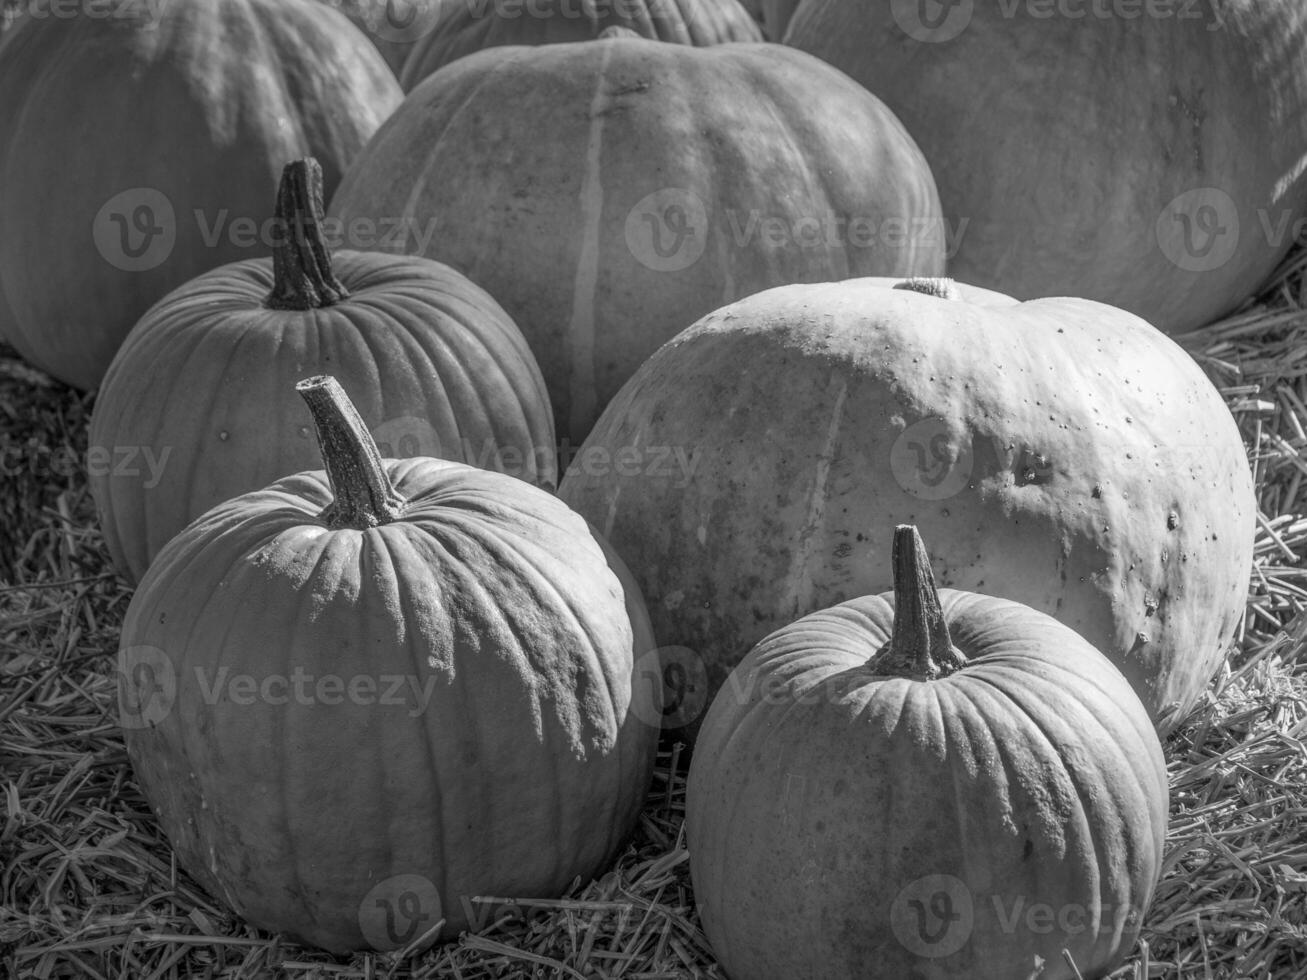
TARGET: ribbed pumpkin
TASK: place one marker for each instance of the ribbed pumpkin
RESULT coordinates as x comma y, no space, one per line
136,150
925,784
1062,453
359,698
462,28
393,26
199,404
1145,155
610,192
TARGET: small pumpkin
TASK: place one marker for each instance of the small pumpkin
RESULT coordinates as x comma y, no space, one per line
609,192
108,202
359,698
925,783
460,29
440,367
1063,454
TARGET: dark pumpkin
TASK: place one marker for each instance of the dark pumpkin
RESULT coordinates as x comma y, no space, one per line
199,404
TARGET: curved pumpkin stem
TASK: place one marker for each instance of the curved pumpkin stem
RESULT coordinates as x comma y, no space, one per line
301,261
939,286
920,647
364,495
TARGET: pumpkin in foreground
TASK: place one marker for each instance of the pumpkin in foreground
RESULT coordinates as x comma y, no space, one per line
136,149
925,784
610,192
199,404
359,698
1060,453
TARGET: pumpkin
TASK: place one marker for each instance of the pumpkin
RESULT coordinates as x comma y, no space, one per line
359,698
1151,159
1063,454
460,29
108,202
393,27
609,192
440,369
925,784
776,16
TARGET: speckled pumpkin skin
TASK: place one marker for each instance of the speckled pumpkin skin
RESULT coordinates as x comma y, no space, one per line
526,767
1059,452
823,801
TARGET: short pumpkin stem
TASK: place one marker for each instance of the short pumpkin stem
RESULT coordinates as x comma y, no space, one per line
920,647
940,286
364,495
302,278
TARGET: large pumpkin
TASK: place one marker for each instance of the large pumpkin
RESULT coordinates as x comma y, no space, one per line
360,698
1062,453
1148,156
462,28
199,404
394,26
610,192
136,151
924,784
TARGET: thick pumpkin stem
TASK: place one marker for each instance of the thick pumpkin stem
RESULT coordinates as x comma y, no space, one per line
364,495
940,286
301,260
920,647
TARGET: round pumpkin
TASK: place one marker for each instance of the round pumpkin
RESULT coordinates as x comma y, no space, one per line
1150,158
199,404
610,192
462,28
925,784
361,697
1063,454
136,149
393,26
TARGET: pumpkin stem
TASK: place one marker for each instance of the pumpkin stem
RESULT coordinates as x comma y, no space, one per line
940,286
920,647
301,261
364,495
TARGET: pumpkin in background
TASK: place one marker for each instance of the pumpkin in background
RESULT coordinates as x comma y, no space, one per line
610,192
1153,161
462,28
1060,453
199,405
136,149
925,783
393,26
776,15
358,698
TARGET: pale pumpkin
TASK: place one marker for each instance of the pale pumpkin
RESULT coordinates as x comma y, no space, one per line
925,784
1061,453
359,698
395,27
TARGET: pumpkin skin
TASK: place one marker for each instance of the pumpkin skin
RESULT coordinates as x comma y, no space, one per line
439,368
1061,452
1151,162
393,28
609,192
229,89
523,766
827,791
461,29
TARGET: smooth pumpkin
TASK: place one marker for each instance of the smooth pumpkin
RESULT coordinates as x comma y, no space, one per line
1147,156
925,784
136,150
394,26
199,404
1060,452
361,697
610,192
462,28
